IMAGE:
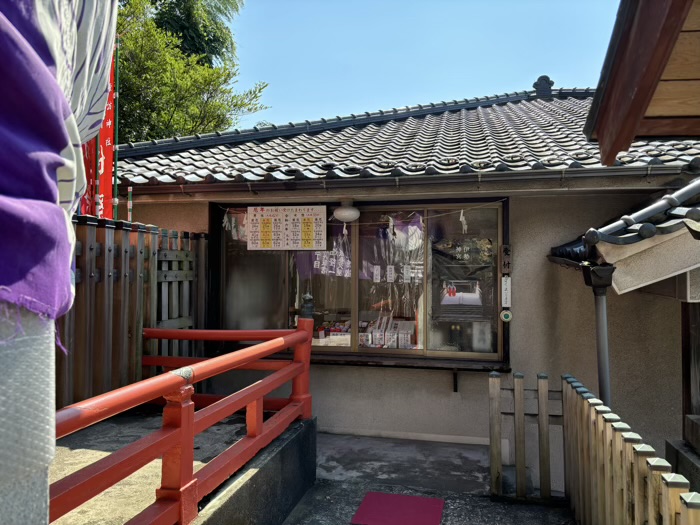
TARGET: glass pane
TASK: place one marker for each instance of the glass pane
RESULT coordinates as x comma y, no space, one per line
251,280
391,280
463,300
321,282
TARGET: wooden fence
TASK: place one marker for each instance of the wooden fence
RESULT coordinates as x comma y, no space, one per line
540,406
612,476
127,276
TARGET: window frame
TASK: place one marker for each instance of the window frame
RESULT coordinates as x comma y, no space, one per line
413,358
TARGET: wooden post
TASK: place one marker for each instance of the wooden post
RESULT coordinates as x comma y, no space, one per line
592,465
84,306
617,448
174,289
104,305
672,486
574,439
600,411
584,458
641,453
495,433
543,428
137,306
177,481
519,398
566,380
151,288
608,420
630,439
580,395
185,305
690,508
120,326
301,392
254,418
655,468
201,287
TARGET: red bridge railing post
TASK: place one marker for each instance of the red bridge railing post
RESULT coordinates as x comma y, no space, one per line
177,481
302,354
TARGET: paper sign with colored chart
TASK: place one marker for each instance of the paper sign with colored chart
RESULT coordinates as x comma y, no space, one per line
286,228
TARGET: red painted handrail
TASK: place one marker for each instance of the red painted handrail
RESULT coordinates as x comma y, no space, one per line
181,489
214,335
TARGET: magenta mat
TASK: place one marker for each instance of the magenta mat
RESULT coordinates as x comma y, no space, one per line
394,509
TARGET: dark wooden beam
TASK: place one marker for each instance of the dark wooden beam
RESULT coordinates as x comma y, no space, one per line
669,127
647,32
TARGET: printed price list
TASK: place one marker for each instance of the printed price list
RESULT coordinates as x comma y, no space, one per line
287,228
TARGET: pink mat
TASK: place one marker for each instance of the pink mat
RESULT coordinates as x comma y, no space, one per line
394,509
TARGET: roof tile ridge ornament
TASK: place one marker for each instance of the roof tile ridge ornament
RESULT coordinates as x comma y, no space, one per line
543,87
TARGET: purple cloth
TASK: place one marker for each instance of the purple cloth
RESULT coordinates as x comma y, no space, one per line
39,145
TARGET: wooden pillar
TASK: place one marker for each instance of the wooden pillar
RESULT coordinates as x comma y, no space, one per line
617,469
641,453
672,486
630,439
655,468
690,508
608,420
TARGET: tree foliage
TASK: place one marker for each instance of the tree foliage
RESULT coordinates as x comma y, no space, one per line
166,92
201,26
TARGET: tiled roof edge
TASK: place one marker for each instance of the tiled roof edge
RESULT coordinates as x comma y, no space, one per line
146,148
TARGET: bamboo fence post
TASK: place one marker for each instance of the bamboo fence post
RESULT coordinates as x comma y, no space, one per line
617,448
655,468
543,431
592,463
641,453
519,399
630,439
608,420
566,380
690,508
495,433
601,411
672,486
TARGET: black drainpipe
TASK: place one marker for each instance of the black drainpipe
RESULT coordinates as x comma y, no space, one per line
600,279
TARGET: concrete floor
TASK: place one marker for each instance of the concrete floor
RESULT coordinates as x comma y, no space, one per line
350,466
130,496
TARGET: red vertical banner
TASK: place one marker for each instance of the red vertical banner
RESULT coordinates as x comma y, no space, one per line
102,158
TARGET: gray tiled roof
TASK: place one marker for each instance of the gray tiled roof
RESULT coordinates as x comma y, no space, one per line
520,131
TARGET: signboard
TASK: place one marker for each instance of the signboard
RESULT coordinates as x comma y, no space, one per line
505,291
286,228
505,259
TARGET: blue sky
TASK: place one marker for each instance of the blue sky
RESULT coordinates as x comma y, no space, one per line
324,58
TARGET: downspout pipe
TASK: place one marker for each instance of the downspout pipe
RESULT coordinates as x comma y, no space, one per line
599,278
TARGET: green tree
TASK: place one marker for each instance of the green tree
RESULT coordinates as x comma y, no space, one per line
164,92
201,26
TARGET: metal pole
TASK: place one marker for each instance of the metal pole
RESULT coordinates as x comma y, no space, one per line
601,321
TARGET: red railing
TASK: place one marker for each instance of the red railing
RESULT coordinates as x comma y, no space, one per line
181,490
